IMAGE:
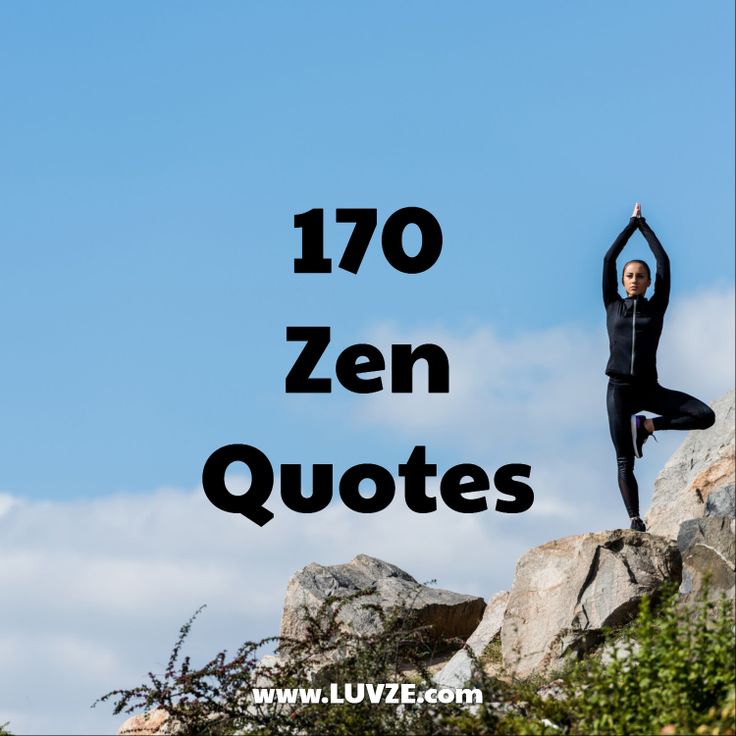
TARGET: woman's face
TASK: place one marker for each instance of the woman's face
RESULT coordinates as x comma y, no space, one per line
635,279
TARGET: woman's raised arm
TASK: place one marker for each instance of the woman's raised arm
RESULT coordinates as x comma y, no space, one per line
610,277
661,296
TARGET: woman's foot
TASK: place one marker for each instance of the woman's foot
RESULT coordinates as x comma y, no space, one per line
640,432
637,524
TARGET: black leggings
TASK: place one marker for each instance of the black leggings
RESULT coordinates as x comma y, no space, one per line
677,410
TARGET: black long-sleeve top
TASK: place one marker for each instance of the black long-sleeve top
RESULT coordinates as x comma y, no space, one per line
635,323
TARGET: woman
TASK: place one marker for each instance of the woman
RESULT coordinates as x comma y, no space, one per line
634,326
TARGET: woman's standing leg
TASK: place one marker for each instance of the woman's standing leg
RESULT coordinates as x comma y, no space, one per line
622,402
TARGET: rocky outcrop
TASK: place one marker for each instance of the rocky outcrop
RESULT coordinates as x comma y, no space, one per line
708,549
448,614
459,670
699,468
567,590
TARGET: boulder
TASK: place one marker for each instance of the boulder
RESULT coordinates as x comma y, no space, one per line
699,468
708,549
152,723
567,590
459,669
448,614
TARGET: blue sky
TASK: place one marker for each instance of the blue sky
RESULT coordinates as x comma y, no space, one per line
153,158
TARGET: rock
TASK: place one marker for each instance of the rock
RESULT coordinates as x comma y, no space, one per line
701,466
449,614
457,672
459,669
708,549
567,590
153,723
554,690
722,502
490,624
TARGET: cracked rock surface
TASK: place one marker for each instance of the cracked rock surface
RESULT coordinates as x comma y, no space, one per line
701,467
567,590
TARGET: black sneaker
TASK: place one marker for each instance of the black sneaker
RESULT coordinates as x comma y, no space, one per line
639,433
637,524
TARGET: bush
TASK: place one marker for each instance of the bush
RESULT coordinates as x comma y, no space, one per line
672,672
215,699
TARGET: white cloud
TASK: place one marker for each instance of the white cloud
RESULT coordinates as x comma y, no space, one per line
697,350
6,501
501,390
538,390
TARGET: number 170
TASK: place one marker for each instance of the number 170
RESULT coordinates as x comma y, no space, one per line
313,258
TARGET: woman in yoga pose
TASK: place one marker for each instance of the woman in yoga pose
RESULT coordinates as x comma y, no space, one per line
634,327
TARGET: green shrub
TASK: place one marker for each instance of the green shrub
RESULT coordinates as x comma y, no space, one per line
672,673
683,666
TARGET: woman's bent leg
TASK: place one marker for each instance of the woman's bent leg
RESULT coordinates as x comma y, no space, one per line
678,410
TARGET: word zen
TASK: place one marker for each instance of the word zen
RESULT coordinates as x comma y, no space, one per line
363,358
